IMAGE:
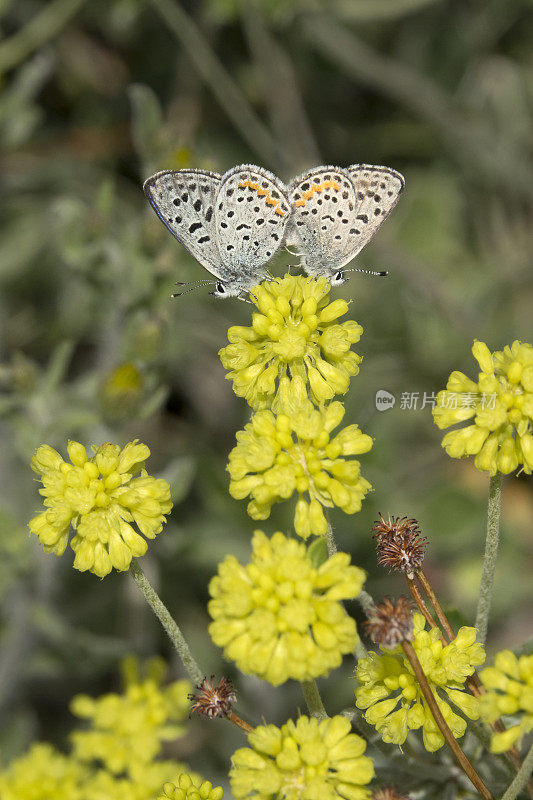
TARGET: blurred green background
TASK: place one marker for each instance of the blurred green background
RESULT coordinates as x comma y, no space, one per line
98,95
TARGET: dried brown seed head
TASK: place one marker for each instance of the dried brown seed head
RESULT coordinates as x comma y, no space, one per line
391,622
400,546
213,701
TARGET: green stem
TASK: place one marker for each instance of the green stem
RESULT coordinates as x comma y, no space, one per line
491,553
521,778
331,544
363,598
168,623
313,700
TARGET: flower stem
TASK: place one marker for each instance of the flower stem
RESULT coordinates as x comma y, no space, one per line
491,552
441,616
413,588
331,544
522,777
313,699
240,723
441,722
168,623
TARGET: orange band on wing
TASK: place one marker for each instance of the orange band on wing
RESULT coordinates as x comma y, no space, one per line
317,187
263,193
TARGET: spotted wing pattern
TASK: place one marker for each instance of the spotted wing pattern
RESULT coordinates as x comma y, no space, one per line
323,203
378,189
251,214
185,202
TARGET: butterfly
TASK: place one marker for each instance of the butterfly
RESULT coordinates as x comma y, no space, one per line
232,224
335,212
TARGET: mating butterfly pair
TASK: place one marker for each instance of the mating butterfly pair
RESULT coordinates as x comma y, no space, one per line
233,224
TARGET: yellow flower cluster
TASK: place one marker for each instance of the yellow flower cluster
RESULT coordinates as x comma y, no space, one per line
289,366
99,498
43,772
294,451
295,333
387,680
509,685
127,730
280,617
115,760
190,788
303,760
501,406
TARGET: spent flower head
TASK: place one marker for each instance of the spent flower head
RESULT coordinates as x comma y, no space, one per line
281,617
295,451
99,497
390,622
389,793
509,685
213,701
303,760
295,333
127,730
392,697
190,787
399,544
500,403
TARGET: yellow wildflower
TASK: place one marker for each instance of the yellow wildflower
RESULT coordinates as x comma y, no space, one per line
43,772
99,497
143,782
190,788
501,406
280,617
293,451
303,760
127,729
509,685
295,333
386,680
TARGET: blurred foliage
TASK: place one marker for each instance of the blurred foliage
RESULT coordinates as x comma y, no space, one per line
95,97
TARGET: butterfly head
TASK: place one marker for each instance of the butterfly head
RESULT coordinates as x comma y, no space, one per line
338,278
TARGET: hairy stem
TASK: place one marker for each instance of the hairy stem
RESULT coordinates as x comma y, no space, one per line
462,760
313,700
165,618
491,553
521,778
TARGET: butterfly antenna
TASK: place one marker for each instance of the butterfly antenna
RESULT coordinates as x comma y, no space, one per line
200,282
380,274
187,291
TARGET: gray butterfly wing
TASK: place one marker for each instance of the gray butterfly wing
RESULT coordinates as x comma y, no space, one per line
251,214
184,200
378,190
323,203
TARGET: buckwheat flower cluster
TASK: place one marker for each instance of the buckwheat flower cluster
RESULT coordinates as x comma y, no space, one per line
500,403
280,617
295,451
392,697
99,498
43,772
190,787
303,760
144,782
127,730
295,333
509,685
